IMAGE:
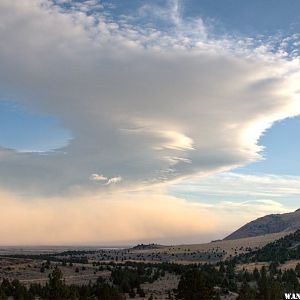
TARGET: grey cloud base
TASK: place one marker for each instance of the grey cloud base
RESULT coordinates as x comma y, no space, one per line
147,113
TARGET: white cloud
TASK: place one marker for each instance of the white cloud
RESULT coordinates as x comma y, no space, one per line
237,184
252,208
171,14
107,181
199,102
97,177
114,180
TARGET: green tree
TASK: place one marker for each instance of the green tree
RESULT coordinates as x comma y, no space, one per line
57,288
194,285
264,285
2,294
246,293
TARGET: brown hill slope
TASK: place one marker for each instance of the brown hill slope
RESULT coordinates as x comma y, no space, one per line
268,224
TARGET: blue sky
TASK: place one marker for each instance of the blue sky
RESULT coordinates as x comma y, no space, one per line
251,17
282,147
232,16
189,108
25,131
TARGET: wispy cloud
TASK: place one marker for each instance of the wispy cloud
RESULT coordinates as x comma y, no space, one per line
97,177
237,184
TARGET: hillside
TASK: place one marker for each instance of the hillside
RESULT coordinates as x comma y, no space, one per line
268,224
281,250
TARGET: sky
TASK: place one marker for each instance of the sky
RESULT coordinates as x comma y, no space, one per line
146,121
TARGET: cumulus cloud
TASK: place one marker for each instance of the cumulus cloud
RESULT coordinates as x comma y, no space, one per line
107,181
149,105
114,180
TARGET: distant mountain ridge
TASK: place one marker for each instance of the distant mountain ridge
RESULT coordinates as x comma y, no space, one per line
268,224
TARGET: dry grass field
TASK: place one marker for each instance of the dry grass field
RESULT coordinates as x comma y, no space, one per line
28,270
186,253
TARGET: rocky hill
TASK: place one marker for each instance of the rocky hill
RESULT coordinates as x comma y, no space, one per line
147,247
268,224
